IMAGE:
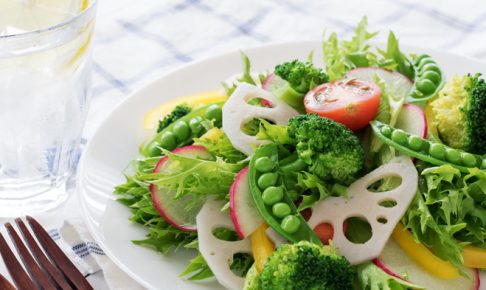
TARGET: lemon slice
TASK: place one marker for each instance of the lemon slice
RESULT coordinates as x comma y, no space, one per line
151,119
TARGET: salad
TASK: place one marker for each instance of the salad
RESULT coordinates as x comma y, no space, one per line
366,172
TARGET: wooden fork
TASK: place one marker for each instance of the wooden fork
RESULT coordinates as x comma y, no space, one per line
54,271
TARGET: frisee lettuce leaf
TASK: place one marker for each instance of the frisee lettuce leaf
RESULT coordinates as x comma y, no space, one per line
449,211
198,177
218,144
371,277
161,236
342,56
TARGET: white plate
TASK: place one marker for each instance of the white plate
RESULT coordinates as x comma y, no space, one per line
116,143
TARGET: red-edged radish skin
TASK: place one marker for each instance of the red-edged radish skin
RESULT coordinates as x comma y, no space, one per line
243,212
173,211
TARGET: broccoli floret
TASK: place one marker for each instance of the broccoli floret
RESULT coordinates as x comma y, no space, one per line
330,149
301,76
459,113
178,112
305,265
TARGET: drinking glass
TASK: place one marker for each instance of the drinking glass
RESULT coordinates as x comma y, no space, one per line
45,63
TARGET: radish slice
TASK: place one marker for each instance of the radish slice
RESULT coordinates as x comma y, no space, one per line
237,112
174,210
365,204
412,120
218,253
272,82
243,211
399,84
395,261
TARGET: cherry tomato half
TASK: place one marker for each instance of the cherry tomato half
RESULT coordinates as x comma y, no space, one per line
325,231
353,103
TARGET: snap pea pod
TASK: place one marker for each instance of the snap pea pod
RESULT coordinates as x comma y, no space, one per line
182,131
425,150
272,199
428,79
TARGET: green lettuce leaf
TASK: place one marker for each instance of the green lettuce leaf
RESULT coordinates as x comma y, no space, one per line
218,144
198,177
449,211
370,277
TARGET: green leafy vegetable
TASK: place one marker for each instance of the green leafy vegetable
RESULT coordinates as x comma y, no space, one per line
201,178
246,77
218,144
449,211
371,277
340,57
394,59
161,236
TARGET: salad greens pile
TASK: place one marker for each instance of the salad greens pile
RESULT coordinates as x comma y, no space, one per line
364,108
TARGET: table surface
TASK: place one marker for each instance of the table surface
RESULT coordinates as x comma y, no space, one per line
136,41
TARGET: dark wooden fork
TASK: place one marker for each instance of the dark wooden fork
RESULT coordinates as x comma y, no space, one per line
54,271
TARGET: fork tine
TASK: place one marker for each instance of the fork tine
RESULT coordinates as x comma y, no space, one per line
56,254
41,257
5,284
30,264
20,278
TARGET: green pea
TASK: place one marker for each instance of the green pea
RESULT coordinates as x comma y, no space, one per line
483,164
195,124
399,136
453,155
181,130
152,149
416,94
425,61
214,112
430,67
267,179
426,86
415,142
432,76
168,141
468,159
420,57
386,131
290,224
265,164
281,210
437,150
272,195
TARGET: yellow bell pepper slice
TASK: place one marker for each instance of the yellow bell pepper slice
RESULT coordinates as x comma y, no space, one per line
423,256
151,119
261,246
474,257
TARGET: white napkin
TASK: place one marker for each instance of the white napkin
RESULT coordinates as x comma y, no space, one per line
79,246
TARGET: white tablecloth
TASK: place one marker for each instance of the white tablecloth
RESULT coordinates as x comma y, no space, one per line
139,40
